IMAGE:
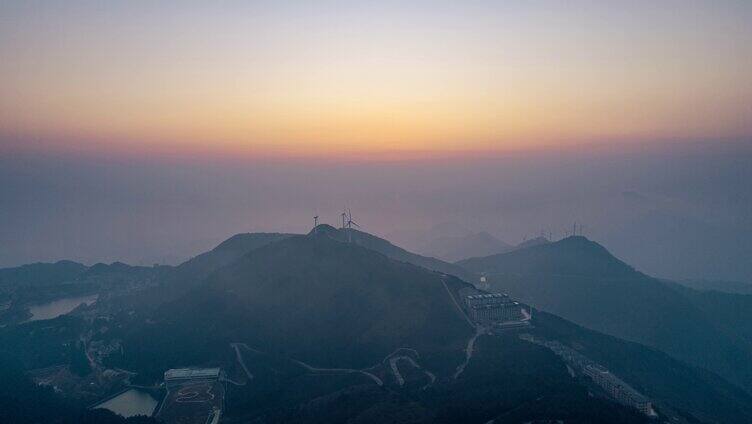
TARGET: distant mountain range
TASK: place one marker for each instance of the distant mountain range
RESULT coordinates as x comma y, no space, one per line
41,273
39,282
736,287
320,315
674,246
453,249
47,274
532,242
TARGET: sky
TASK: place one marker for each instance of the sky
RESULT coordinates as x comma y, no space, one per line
371,79
149,131
672,211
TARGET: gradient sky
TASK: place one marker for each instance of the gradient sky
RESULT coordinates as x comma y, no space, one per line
332,78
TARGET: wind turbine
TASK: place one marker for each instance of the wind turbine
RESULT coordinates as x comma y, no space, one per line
315,221
350,224
350,221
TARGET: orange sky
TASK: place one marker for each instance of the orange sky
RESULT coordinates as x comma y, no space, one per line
372,78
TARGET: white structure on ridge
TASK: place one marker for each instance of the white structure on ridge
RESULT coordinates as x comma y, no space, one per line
620,390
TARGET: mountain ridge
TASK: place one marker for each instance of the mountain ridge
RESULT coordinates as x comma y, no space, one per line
453,249
303,286
580,280
574,255
385,247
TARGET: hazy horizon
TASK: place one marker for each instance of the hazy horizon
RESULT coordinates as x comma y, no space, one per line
93,208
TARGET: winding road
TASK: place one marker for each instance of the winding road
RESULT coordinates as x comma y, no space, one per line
241,361
315,370
451,296
469,350
479,330
308,368
391,358
398,376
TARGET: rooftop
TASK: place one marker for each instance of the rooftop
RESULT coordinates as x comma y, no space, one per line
487,296
187,373
597,368
616,381
492,306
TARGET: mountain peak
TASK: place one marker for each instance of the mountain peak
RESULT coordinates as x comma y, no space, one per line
472,245
583,243
248,241
386,248
345,293
574,255
324,229
576,239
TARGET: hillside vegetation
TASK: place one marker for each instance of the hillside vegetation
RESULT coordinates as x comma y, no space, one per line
581,281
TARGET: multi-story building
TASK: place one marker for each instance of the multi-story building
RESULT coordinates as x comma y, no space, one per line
611,384
492,307
620,390
486,299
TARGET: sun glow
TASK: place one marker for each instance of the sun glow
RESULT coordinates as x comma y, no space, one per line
367,79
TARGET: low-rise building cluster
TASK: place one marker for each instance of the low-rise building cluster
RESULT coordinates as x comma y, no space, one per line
99,349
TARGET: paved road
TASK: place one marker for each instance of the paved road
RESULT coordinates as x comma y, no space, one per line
469,350
451,296
479,329
237,346
525,314
338,371
309,368
398,376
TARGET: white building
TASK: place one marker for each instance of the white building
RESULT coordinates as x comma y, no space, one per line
492,307
620,390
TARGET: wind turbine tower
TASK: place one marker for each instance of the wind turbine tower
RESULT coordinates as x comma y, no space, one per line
350,224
